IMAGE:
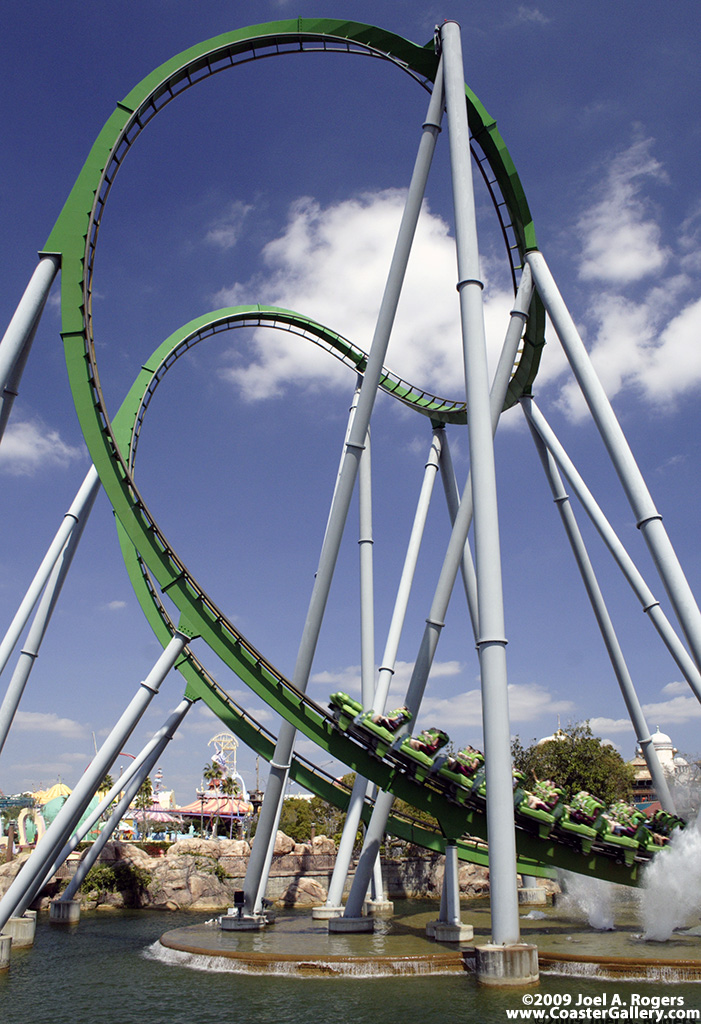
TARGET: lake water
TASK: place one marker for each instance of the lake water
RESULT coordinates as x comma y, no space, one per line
112,969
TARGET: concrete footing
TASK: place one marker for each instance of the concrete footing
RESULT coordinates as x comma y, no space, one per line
5,946
379,908
352,924
534,897
442,931
64,911
245,923
507,965
326,913
22,929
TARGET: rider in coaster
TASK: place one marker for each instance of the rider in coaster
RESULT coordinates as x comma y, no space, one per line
429,741
393,719
544,796
465,762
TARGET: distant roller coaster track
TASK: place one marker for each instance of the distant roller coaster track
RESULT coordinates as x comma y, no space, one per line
152,563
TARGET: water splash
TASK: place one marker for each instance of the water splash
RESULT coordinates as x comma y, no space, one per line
672,885
591,898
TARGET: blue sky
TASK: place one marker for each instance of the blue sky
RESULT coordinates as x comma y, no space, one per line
282,182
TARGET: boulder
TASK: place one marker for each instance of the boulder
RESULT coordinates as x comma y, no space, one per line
305,892
283,844
323,845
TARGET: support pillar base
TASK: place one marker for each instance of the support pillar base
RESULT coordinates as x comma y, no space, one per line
512,965
442,931
245,923
535,897
5,945
22,929
352,924
326,913
379,908
64,912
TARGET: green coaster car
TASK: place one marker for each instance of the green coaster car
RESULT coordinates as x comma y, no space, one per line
461,770
381,737
617,827
344,709
548,805
421,750
578,818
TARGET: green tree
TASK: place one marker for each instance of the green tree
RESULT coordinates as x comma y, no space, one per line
576,760
143,802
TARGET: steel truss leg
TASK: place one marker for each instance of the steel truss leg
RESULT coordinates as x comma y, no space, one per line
261,854
648,601
457,555
147,759
603,619
65,821
18,338
379,698
165,732
73,526
73,515
648,519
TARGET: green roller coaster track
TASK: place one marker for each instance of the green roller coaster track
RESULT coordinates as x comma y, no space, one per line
153,565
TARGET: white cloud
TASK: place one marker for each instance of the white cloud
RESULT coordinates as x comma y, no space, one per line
227,230
38,721
331,264
527,703
621,238
115,606
600,726
532,15
30,446
348,679
642,334
677,710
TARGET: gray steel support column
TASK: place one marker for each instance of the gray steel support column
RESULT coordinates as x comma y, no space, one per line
20,332
73,514
367,607
65,821
30,650
368,855
367,590
492,642
11,386
451,886
379,700
155,750
648,601
603,618
648,519
467,567
166,733
406,580
261,854
454,558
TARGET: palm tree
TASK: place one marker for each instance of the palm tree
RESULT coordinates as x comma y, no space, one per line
214,774
230,788
144,800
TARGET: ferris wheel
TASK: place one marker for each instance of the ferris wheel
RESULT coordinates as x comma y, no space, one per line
225,746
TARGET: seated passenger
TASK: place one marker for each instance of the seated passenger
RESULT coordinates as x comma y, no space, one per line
465,762
393,719
622,818
429,741
544,797
585,808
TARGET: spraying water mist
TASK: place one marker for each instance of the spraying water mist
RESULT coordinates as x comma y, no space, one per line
591,898
671,894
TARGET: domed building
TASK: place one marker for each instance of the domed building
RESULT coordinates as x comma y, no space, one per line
671,764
